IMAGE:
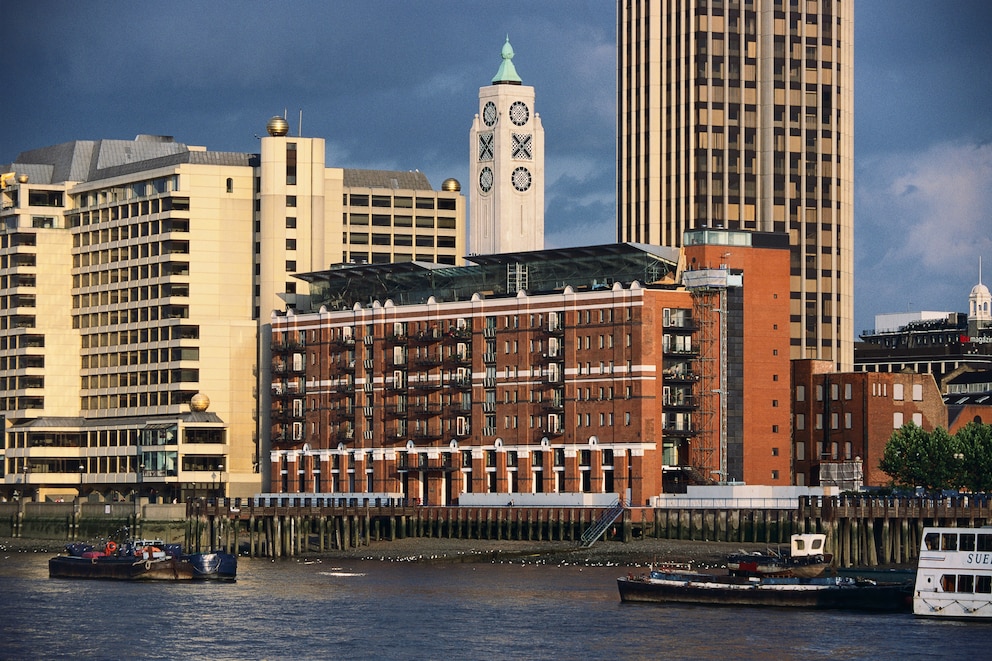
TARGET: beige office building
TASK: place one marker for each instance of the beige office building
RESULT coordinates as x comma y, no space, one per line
739,114
135,277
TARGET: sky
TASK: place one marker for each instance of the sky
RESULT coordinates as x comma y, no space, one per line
393,84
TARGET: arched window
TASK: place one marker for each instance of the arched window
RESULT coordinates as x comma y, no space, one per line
230,185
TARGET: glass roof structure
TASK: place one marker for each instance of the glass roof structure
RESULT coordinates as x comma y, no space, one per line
501,275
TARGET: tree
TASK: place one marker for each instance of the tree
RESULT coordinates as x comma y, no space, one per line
974,444
917,458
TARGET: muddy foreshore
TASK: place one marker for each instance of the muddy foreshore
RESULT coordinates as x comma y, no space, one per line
637,553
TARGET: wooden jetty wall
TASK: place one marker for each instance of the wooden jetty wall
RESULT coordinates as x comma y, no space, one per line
861,531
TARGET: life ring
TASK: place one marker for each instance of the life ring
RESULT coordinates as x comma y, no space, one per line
110,548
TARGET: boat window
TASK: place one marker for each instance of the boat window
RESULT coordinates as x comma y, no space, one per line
967,542
966,583
983,584
932,541
947,582
950,541
984,542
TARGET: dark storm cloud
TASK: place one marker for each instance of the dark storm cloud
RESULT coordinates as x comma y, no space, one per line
394,84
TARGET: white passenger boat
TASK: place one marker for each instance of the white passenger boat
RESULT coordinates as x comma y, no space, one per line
954,576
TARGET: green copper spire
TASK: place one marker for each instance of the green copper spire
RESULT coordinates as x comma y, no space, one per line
506,74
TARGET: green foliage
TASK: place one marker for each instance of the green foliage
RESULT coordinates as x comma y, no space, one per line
937,461
975,445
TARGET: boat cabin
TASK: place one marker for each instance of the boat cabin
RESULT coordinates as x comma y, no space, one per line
807,545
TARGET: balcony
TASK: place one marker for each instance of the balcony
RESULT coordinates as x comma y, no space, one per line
459,359
342,366
345,436
396,410
396,339
458,334
424,385
553,405
424,410
555,356
679,377
679,432
426,337
461,383
682,402
288,346
343,414
427,361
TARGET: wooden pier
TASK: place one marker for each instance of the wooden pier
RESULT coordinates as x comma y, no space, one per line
297,526
861,531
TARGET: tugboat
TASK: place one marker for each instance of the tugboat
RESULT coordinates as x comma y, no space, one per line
805,559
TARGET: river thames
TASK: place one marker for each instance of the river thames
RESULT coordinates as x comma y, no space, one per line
361,609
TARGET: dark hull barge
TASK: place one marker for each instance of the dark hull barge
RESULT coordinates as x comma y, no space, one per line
142,561
809,593
120,568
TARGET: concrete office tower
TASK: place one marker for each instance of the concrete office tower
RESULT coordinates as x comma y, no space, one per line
506,156
739,114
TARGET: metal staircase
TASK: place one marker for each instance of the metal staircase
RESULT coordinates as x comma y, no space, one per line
590,536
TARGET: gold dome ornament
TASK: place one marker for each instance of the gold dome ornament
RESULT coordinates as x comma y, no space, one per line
277,126
451,185
199,403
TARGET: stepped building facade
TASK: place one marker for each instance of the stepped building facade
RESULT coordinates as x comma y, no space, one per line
136,280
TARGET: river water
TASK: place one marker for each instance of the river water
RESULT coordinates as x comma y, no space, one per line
364,609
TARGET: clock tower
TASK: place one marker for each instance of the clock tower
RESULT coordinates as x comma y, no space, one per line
506,171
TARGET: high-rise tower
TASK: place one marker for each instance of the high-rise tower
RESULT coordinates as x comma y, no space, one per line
739,114
506,156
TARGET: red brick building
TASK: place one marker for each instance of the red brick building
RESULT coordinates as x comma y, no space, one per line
599,373
842,421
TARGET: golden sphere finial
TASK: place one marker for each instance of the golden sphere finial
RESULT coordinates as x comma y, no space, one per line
277,126
199,403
